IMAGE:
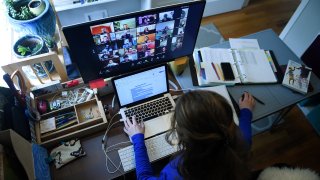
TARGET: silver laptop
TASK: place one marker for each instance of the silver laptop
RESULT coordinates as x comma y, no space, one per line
145,95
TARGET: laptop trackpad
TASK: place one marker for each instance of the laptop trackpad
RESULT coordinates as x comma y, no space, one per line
157,125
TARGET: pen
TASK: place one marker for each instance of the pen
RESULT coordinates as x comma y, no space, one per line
258,100
215,70
220,72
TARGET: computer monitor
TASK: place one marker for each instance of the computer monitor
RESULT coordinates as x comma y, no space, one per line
124,43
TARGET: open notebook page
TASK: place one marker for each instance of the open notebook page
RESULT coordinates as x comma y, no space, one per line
216,56
254,66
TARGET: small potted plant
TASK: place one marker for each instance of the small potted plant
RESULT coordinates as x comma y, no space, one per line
29,45
18,10
39,19
50,43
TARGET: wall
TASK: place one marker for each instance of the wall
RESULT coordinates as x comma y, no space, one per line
212,6
78,15
303,27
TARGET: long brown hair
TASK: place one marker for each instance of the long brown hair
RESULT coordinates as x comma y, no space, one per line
210,142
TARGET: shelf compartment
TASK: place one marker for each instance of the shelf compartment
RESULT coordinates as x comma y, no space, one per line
70,129
87,111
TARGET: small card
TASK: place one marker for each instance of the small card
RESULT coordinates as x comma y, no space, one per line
47,125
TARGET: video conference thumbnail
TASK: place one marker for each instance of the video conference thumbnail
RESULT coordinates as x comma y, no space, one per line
125,24
135,39
147,38
166,16
147,20
145,50
145,30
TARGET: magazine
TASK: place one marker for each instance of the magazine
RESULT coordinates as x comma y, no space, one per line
297,77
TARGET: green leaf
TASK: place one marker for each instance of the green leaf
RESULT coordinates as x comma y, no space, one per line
50,41
23,50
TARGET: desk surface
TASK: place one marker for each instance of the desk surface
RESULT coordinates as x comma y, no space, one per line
275,96
93,165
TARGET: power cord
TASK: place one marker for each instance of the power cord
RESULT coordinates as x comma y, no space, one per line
179,90
111,148
112,104
173,85
174,97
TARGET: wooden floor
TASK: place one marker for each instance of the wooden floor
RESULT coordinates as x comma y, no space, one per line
294,142
257,16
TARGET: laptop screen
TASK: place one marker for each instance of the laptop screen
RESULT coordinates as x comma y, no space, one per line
140,86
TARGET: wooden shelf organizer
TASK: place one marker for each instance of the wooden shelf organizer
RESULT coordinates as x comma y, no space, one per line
82,127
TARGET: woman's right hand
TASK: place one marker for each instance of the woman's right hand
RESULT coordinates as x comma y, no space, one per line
247,101
132,128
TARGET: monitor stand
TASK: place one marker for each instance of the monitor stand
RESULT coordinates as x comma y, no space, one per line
178,65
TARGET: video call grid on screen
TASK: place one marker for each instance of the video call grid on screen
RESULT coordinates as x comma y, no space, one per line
141,40
129,40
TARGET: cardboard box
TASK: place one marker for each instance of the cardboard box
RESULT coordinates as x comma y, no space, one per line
31,156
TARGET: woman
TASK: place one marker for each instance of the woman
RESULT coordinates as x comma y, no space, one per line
212,147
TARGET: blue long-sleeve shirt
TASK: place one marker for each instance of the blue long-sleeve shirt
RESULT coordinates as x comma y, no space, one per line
143,165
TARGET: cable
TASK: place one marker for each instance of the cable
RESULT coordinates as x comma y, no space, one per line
112,104
73,97
106,149
188,89
173,84
117,167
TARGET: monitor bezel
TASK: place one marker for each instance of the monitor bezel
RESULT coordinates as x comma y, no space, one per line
126,15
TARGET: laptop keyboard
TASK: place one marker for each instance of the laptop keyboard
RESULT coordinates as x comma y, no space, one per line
150,109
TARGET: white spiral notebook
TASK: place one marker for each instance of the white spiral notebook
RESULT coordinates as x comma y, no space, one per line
248,66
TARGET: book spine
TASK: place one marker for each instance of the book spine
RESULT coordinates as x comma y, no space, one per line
197,65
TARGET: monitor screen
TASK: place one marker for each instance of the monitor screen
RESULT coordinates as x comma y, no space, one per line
120,44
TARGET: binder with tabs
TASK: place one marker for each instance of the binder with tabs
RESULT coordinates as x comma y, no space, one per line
214,66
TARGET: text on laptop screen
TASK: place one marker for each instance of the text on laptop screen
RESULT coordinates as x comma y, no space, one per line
142,85
117,45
